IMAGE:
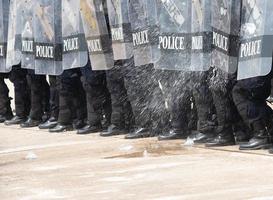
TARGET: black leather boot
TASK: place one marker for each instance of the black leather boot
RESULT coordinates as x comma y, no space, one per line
174,135
30,123
112,131
59,128
139,133
271,150
261,140
15,121
224,137
88,129
50,123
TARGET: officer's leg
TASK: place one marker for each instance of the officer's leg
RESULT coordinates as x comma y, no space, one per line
79,102
38,90
5,109
139,87
119,99
18,77
203,103
94,84
66,104
54,82
250,98
221,94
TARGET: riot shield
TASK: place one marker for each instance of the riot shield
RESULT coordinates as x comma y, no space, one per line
48,37
4,16
74,44
14,34
27,34
256,41
97,35
145,31
174,40
201,33
120,29
226,30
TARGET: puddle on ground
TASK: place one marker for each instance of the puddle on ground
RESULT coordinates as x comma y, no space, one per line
154,150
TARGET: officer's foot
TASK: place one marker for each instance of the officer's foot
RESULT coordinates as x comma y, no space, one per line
30,123
61,128
173,135
139,133
50,123
259,141
200,138
6,117
224,137
16,120
88,129
113,130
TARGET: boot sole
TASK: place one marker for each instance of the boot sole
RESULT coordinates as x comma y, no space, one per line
268,146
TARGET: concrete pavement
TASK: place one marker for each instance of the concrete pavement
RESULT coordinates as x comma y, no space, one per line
37,165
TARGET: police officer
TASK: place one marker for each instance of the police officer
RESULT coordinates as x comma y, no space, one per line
98,100
18,77
220,86
122,116
5,109
250,97
72,102
39,99
147,104
52,121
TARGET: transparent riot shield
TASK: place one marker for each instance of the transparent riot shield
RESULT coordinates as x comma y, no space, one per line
256,41
48,37
145,31
74,44
27,48
4,16
97,35
174,40
201,35
226,29
14,34
120,29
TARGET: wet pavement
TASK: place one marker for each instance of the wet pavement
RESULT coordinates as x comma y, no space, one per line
37,165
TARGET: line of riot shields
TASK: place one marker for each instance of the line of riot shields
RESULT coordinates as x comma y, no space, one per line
50,36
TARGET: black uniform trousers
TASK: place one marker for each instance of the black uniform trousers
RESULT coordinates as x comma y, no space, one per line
220,85
145,96
5,109
40,94
72,99
98,98
18,77
178,94
250,97
202,99
122,114
54,82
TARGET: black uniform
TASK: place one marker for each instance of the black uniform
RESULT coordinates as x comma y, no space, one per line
98,100
250,97
122,118
52,120
72,101
146,99
5,108
220,86
18,77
